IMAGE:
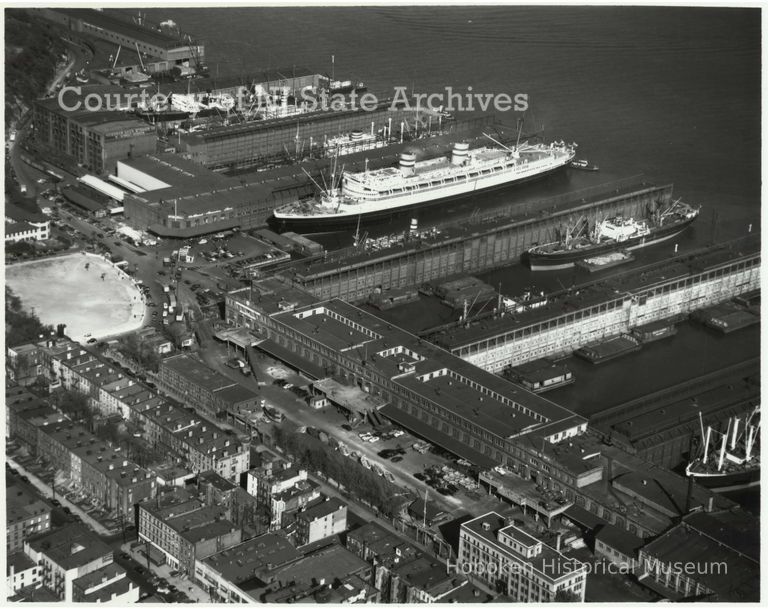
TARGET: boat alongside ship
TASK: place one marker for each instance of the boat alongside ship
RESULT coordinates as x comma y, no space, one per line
583,165
581,242
385,192
731,462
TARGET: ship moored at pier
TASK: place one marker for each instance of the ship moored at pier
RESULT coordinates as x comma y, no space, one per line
732,461
413,184
618,233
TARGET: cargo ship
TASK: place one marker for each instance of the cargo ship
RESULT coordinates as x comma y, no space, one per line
732,461
388,191
617,233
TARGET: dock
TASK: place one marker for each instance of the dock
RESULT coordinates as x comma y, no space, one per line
600,309
488,241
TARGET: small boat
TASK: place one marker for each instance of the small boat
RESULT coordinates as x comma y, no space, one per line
583,165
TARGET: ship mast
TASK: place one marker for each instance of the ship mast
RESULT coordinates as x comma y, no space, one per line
723,446
751,437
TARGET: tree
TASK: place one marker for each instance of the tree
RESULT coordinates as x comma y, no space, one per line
21,326
75,405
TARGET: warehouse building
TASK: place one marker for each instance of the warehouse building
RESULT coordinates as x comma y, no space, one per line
178,198
95,140
248,144
161,51
470,412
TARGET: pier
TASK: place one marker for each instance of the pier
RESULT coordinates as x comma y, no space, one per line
487,242
659,427
606,308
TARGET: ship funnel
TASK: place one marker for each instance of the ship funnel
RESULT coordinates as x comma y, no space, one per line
460,153
407,163
356,136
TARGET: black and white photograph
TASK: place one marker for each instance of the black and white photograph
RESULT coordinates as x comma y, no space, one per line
371,302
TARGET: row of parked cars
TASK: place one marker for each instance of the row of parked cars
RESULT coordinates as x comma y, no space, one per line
375,436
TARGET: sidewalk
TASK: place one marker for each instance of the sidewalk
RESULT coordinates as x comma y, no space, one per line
192,590
48,493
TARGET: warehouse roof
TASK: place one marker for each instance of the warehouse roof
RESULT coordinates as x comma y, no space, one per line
438,376
124,27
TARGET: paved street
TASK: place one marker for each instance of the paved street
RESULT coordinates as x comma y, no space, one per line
45,491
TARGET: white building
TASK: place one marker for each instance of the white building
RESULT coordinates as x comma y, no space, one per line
21,572
27,231
320,520
67,554
512,562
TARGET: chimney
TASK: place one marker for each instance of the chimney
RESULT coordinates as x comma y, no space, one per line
710,503
559,540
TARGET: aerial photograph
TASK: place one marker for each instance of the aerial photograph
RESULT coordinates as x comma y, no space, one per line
382,303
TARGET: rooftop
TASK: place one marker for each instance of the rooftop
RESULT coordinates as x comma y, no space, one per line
329,563
428,574
321,509
254,557
21,504
619,539
549,562
685,545
273,295
71,546
19,561
597,291
93,578
197,372
479,397
236,394
113,23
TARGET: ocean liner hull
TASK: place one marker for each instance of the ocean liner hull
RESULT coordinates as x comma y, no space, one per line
318,223
563,259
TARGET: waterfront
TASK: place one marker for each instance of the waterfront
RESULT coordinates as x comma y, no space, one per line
362,418
664,91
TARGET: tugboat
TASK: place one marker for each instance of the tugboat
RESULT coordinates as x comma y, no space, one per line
583,165
732,462
618,233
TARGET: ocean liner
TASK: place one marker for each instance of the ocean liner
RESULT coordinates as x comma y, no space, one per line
612,234
731,462
413,184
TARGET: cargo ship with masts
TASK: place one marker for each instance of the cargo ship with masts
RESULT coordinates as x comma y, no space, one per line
729,461
581,241
388,191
